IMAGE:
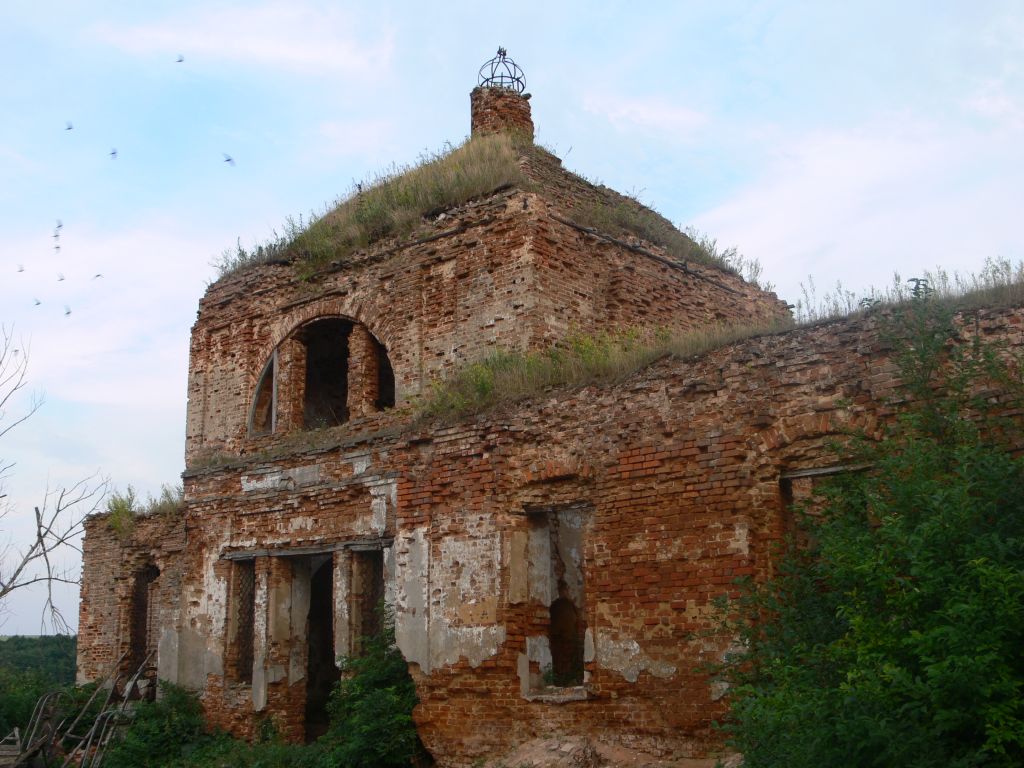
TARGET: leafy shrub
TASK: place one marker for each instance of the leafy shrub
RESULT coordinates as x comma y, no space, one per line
19,692
161,731
371,708
893,636
29,668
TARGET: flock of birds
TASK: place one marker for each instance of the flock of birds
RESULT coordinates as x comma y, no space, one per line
69,126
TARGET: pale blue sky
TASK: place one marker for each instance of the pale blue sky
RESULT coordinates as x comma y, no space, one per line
839,140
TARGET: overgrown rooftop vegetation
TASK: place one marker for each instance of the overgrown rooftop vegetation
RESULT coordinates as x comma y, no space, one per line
580,360
607,358
397,202
392,204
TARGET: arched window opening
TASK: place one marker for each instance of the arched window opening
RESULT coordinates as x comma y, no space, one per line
327,357
262,417
385,379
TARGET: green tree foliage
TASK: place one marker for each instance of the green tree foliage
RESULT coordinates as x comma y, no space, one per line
29,667
895,637
50,655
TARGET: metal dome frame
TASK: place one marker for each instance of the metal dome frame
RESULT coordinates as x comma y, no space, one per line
502,72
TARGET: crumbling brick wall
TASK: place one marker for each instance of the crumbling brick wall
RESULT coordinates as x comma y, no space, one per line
124,573
677,475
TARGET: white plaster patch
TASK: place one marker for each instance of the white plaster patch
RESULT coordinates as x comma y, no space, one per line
301,523
623,655
475,644
474,565
740,542
383,495
412,571
360,463
281,479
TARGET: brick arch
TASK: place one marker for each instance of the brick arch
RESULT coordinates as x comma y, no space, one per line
791,429
344,307
331,404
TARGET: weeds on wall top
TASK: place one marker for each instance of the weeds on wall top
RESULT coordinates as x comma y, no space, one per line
581,359
1000,283
123,509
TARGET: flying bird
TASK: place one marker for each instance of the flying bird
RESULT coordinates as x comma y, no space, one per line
60,277
21,267
60,224
57,247
68,126
67,310
180,58
37,301
113,154
228,158
97,275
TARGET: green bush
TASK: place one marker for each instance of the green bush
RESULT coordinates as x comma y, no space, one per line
19,692
371,724
371,708
161,731
894,635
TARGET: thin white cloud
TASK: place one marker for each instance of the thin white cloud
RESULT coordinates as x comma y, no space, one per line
288,36
652,114
995,100
854,206
360,138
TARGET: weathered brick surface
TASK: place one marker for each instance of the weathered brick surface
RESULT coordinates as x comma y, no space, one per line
643,500
111,566
494,110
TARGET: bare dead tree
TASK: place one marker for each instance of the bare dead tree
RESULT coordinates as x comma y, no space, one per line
58,521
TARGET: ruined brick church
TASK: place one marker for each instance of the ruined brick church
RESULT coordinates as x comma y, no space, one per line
552,564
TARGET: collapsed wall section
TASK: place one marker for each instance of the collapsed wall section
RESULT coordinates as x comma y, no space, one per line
129,604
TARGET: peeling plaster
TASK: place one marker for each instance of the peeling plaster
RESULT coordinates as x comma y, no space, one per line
450,644
360,463
740,542
281,479
623,655
383,495
412,566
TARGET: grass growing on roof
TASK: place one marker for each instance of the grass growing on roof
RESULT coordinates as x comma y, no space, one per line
392,204
506,376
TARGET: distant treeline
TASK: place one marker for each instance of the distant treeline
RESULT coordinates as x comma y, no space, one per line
29,667
52,656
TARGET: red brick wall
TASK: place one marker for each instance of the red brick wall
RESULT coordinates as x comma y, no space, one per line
679,469
509,275
494,110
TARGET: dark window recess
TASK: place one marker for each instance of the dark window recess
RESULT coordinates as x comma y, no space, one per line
241,651
326,402
385,379
322,673
556,576
261,422
367,596
566,639
144,625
